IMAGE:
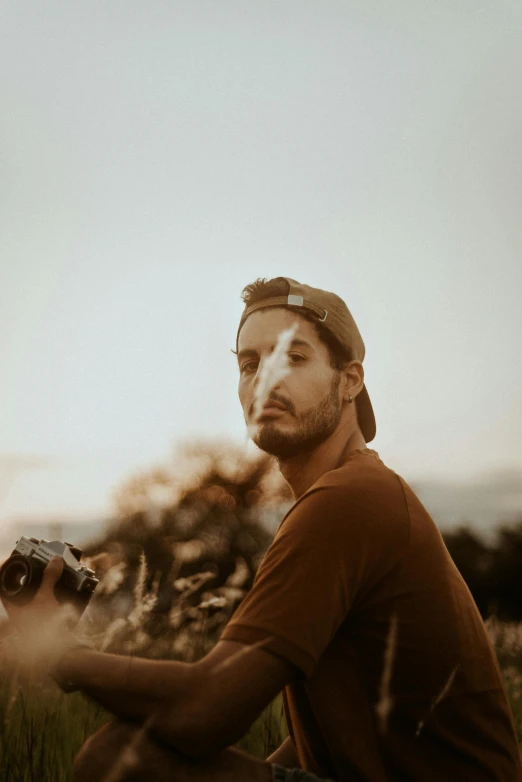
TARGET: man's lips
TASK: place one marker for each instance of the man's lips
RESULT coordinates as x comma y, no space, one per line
272,408
273,403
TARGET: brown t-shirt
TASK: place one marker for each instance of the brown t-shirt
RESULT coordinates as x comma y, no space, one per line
357,568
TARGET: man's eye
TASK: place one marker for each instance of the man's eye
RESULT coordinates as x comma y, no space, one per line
247,366
250,366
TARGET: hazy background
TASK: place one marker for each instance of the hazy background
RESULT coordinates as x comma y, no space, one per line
157,157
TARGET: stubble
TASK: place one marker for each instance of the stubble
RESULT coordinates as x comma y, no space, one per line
315,425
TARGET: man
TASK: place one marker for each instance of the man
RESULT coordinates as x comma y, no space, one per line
357,611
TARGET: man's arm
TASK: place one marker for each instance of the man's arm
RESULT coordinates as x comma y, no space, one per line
285,755
199,708
129,687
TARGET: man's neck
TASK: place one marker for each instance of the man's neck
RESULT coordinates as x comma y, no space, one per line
302,471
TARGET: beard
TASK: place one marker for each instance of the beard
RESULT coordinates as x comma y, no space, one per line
314,426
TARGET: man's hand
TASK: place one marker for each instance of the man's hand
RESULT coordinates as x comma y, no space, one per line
42,626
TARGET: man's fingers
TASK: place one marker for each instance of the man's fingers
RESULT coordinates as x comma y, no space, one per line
51,574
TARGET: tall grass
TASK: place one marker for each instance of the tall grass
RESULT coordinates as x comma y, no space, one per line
41,729
506,637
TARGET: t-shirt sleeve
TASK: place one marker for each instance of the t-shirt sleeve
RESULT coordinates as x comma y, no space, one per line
332,547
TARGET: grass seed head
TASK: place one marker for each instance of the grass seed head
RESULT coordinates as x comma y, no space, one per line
442,694
385,704
140,579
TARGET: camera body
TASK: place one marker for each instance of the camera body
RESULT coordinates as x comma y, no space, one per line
21,574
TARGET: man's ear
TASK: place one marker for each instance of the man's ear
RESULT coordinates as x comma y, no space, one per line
354,379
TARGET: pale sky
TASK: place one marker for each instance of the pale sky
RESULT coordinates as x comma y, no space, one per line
158,156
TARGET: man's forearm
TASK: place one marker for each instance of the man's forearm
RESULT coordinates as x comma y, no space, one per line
129,687
136,709
198,708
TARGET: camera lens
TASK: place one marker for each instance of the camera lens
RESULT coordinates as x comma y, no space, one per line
14,577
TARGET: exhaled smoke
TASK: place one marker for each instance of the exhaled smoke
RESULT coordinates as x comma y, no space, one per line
273,370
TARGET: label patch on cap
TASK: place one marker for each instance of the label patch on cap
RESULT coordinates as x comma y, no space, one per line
297,301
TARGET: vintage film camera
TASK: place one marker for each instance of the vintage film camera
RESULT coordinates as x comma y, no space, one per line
21,574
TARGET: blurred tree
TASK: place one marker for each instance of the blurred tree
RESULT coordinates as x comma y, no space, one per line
474,561
188,538
492,573
199,525
505,582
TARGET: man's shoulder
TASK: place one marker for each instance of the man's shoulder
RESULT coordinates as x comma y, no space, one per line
362,494
362,474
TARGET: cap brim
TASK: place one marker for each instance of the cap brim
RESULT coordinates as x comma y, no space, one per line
365,416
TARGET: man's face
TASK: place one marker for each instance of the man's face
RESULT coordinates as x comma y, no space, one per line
310,392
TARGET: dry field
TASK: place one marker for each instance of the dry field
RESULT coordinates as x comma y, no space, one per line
41,729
